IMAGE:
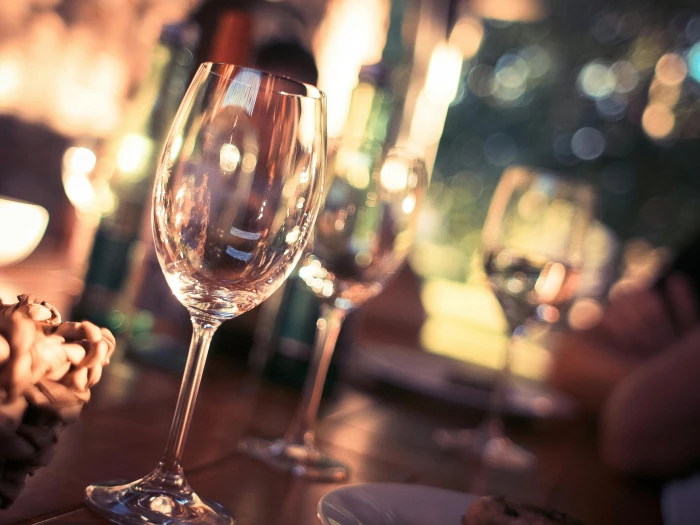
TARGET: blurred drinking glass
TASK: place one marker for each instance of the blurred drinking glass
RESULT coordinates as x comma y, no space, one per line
532,243
363,234
237,191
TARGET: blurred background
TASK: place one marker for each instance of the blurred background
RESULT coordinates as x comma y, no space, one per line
608,91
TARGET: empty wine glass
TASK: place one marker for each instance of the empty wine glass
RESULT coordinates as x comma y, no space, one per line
238,188
363,234
533,249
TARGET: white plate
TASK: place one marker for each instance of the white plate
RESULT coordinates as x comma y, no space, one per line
445,378
393,504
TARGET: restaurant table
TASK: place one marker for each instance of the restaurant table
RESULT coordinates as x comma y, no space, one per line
383,433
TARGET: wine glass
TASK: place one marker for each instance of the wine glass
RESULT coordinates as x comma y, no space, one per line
237,191
532,244
363,234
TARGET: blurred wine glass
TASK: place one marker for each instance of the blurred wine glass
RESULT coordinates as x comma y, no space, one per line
533,247
237,190
363,234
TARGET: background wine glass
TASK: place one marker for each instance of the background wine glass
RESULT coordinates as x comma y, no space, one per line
238,188
363,234
532,245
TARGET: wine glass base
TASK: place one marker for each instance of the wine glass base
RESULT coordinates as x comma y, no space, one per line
299,460
143,502
495,451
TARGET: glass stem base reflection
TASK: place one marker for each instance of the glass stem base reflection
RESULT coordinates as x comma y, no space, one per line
305,461
488,444
160,498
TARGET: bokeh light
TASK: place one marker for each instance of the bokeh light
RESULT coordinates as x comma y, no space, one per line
229,157
645,52
352,34
694,61
671,69
481,81
511,71
587,143
467,35
133,153
81,159
538,60
394,175
665,94
79,191
626,76
584,313
613,107
510,10
73,66
355,165
510,75
596,80
658,121
10,77
408,204
443,74
85,182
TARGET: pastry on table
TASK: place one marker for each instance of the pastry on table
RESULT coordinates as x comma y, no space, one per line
47,368
496,510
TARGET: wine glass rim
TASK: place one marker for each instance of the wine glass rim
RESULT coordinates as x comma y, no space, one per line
311,90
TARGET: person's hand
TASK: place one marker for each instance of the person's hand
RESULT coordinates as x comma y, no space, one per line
636,326
642,322
649,424
586,370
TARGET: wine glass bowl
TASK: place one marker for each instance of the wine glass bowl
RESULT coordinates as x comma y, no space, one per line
235,203
362,236
533,241
366,227
237,191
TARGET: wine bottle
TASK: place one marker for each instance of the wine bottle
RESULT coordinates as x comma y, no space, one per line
286,328
133,151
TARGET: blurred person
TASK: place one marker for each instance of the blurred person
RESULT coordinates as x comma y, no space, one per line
639,367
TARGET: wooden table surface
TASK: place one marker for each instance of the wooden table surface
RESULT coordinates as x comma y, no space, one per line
382,433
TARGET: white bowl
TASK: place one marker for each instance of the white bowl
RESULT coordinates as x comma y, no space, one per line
22,226
393,504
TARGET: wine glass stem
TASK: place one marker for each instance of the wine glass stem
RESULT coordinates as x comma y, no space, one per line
494,420
301,430
203,330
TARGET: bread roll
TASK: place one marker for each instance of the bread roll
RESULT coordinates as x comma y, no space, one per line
495,510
